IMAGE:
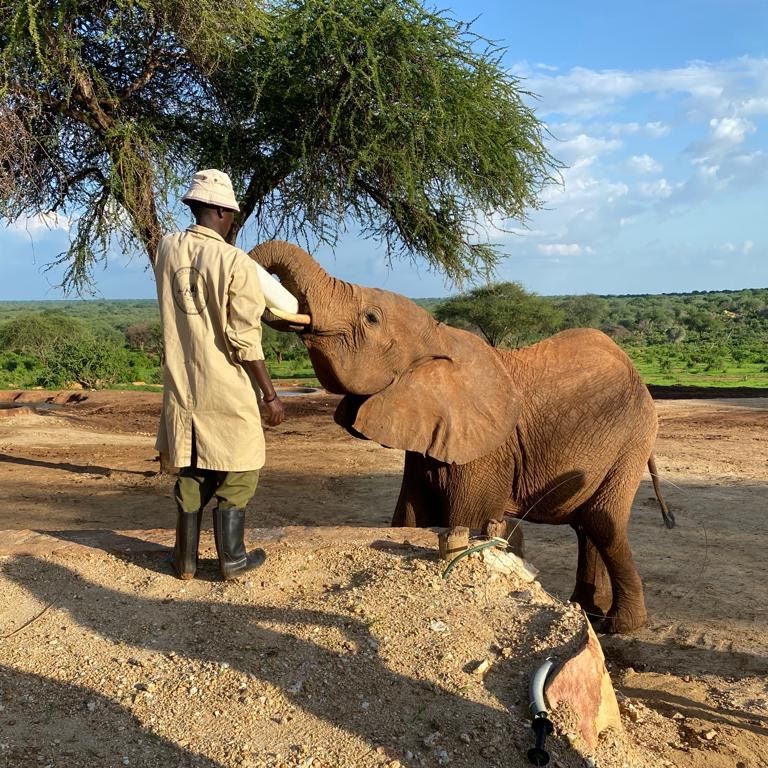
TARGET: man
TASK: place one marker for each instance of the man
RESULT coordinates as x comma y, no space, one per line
211,304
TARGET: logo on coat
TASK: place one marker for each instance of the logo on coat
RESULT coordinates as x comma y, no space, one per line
190,291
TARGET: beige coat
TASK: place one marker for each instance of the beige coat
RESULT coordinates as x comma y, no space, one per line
210,305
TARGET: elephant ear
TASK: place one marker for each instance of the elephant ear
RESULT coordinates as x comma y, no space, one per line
451,411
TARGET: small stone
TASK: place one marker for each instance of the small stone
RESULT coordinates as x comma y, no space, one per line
438,626
466,738
678,716
431,740
710,734
91,706
443,758
482,667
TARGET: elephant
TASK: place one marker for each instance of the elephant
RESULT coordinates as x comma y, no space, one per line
559,432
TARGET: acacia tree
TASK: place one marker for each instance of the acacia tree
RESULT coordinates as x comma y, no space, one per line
325,112
101,108
504,313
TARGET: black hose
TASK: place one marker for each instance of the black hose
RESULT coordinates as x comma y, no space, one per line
541,724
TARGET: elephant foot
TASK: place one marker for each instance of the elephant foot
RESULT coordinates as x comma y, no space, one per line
620,622
596,606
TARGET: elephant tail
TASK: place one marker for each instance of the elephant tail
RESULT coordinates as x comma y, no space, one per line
669,518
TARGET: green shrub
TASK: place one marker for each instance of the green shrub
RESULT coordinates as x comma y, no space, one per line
91,362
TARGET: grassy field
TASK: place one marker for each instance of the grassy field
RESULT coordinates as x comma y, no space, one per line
746,375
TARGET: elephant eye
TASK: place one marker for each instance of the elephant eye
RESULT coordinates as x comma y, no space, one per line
372,317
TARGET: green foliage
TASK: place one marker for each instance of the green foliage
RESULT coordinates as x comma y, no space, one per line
91,362
504,313
389,114
100,107
38,334
105,343
582,311
18,371
324,111
654,330
52,349
282,347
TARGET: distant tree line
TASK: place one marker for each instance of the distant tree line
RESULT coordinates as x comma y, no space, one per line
704,331
107,343
100,344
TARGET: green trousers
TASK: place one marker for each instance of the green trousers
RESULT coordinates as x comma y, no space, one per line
196,487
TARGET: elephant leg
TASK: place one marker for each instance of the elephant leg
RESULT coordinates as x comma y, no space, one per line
418,504
593,585
475,493
604,520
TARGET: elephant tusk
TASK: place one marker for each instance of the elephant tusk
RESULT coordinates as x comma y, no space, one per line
290,316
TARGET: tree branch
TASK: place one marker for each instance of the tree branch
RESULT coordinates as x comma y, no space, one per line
74,179
258,188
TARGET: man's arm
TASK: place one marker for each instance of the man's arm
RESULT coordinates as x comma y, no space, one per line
274,410
243,329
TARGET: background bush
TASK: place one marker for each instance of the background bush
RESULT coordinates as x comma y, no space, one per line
715,338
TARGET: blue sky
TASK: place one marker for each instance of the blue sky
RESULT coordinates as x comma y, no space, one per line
658,109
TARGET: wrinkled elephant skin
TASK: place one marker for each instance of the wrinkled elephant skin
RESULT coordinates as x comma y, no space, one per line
559,432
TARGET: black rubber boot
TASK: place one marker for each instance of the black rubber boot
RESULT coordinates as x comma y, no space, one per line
184,557
228,532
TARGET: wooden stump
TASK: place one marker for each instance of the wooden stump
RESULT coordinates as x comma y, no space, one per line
452,541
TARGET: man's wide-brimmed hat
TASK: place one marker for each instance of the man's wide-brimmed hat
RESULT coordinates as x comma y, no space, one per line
212,187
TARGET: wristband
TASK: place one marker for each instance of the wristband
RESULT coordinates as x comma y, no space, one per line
274,397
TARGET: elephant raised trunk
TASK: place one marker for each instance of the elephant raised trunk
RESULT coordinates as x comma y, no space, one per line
317,292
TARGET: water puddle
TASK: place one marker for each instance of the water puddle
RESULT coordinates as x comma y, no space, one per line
295,391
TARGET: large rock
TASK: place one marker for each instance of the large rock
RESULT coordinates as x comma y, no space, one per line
583,685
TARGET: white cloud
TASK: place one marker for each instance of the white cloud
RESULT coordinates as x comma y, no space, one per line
753,106
655,189
738,87
643,164
563,249
583,149
581,91
43,222
731,130
654,130
744,248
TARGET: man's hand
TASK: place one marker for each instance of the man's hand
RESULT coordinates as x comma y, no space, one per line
273,412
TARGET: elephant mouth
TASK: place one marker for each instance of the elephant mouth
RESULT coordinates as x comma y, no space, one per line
346,413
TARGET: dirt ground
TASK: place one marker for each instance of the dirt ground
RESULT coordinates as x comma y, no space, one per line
692,686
